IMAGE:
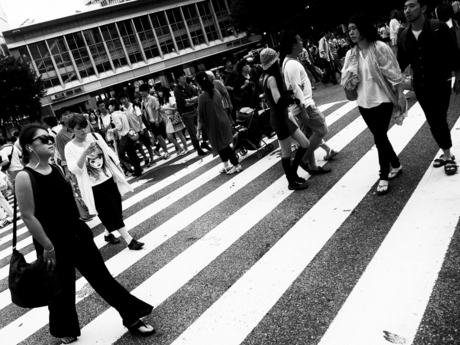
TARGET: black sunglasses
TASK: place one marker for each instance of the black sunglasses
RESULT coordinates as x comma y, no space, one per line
45,139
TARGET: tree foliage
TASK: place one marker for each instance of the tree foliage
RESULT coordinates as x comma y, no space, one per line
20,91
308,17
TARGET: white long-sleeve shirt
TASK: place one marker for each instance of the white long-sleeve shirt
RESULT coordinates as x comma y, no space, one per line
296,79
394,27
121,123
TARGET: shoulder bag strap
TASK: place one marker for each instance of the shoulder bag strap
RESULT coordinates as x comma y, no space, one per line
15,206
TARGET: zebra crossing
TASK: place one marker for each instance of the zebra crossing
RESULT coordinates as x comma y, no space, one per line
222,253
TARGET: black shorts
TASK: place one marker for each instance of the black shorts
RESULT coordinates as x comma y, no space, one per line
158,130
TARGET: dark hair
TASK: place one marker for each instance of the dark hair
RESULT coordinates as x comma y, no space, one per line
26,137
50,121
2,140
16,134
365,27
421,2
445,12
78,120
239,66
288,39
203,80
123,95
100,102
64,110
401,17
115,103
394,14
144,88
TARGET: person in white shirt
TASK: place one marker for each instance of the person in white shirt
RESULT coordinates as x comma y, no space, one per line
312,122
11,155
325,53
126,145
394,27
134,116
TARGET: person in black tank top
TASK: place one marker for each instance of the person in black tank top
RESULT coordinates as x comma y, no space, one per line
278,100
50,214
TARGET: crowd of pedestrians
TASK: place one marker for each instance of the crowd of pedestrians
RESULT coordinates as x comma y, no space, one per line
96,152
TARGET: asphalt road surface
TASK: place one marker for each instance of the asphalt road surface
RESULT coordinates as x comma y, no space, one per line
240,259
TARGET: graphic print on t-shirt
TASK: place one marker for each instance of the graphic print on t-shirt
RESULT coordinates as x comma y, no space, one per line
97,166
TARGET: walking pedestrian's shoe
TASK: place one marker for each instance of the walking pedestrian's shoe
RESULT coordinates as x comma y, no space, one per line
205,146
140,328
239,168
231,171
298,186
201,152
135,245
110,238
395,172
450,167
330,155
382,187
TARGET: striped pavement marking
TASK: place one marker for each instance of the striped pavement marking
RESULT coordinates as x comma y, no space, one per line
392,294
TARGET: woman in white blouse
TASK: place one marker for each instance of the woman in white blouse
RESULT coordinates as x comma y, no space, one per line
372,71
100,178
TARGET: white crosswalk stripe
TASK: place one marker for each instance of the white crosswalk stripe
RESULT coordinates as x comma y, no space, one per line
391,296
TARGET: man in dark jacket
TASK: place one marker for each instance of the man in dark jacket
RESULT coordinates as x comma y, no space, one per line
429,47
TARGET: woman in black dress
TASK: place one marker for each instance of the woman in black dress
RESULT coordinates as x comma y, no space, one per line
49,211
278,100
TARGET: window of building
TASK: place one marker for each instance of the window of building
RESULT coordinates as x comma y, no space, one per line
42,59
62,58
194,25
130,41
80,54
223,17
208,21
111,38
163,33
144,30
96,47
178,27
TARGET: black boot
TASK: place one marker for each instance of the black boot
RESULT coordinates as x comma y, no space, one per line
299,162
293,184
196,146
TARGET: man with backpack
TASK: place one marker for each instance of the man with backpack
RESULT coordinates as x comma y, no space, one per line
431,50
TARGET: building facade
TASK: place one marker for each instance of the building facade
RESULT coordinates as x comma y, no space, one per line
92,53
4,26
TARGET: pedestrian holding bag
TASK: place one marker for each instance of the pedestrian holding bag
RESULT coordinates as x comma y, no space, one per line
31,285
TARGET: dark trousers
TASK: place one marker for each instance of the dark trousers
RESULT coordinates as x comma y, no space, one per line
434,101
329,74
126,146
313,72
378,120
227,154
84,255
190,123
144,139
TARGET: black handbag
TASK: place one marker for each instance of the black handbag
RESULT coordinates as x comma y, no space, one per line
31,285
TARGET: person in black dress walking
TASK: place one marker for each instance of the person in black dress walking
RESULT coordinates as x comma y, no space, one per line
278,100
49,211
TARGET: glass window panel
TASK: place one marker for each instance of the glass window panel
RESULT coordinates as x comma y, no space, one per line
163,32
80,53
97,50
43,62
114,45
208,21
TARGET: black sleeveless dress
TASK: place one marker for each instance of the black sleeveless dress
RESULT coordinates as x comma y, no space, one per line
56,210
74,246
279,119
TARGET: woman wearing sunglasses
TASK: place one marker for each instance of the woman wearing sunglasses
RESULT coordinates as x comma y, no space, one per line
100,178
65,241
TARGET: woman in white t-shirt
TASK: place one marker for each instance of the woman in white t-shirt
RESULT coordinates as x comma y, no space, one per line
100,179
372,71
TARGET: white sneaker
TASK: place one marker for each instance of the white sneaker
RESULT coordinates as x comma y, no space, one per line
239,168
231,171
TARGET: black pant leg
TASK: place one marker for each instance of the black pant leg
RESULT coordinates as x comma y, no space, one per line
435,104
91,265
378,120
63,319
